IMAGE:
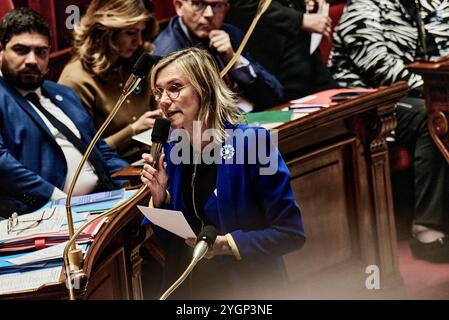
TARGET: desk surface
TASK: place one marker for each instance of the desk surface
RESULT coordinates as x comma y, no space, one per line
109,256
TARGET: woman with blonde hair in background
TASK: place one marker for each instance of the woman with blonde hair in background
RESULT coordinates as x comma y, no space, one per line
111,36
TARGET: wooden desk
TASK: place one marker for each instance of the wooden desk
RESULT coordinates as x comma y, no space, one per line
338,158
112,265
436,92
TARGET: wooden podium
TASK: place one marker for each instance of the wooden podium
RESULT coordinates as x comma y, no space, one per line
436,92
112,265
338,158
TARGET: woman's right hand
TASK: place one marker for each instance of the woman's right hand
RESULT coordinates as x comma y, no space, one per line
155,180
146,121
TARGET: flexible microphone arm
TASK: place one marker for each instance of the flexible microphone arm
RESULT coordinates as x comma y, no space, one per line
262,7
73,256
83,160
180,280
83,227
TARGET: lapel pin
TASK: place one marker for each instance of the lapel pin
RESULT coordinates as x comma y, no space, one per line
227,152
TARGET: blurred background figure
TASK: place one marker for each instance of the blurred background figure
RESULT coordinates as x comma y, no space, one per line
111,36
200,23
281,43
44,130
373,43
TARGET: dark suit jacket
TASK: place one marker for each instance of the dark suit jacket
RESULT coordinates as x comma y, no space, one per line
282,47
265,91
31,162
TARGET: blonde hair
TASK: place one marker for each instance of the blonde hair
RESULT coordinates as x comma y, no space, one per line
218,103
94,38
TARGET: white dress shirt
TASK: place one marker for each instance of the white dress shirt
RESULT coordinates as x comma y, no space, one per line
88,179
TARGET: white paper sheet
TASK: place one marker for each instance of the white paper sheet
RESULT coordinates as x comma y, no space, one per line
42,221
316,37
303,99
171,220
144,137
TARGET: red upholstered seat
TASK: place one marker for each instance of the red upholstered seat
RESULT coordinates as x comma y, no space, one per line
163,10
5,6
58,60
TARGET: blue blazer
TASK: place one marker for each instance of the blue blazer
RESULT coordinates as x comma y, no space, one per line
265,91
31,162
259,211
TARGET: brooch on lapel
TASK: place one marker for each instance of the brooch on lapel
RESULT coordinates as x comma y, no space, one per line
227,152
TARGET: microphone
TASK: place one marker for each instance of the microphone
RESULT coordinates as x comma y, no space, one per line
72,256
139,71
159,137
205,241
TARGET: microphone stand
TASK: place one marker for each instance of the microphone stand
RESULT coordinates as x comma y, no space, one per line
180,280
174,286
83,227
73,256
262,7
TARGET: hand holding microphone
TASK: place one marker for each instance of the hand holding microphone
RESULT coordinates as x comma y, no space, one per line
155,180
153,172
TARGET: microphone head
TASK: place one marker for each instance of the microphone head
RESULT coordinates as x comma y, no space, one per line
143,65
160,131
208,234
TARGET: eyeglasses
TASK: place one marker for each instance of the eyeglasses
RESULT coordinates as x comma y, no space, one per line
200,6
173,92
18,226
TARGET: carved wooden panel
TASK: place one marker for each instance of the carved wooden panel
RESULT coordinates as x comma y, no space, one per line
110,282
320,184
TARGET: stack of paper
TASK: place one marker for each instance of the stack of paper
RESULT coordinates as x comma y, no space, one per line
46,235
45,258
46,231
27,271
29,280
48,226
